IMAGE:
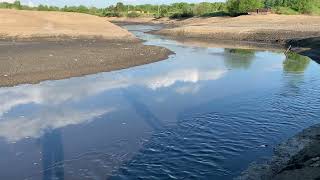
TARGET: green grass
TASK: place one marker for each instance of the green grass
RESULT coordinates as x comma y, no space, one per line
316,11
285,10
215,14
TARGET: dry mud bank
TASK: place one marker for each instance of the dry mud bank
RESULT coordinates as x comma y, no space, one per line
264,28
38,60
37,46
300,32
18,24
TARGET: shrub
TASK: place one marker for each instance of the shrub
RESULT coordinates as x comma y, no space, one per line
180,15
285,10
215,14
133,15
236,7
112,14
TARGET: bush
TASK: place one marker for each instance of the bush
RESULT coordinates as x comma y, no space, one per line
236,7
17,5
133,15
215,14
285,10
112,14
316,11
180,15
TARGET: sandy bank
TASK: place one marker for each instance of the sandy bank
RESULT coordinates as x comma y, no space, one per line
38,46
296,159
264,28
38,60
27,24
298,31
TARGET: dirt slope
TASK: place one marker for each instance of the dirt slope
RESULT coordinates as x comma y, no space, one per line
26,24
262,28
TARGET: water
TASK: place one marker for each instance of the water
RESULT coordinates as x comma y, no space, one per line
205,113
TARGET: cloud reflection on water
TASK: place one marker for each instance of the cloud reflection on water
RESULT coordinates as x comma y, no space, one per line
56,104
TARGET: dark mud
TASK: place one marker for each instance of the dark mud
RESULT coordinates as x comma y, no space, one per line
32,61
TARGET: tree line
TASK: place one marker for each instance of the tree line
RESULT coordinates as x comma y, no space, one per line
183,10
279,6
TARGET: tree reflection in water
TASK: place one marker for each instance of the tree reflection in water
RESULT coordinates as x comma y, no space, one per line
239,58
295,63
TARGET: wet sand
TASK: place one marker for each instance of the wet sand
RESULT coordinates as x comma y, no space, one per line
34,61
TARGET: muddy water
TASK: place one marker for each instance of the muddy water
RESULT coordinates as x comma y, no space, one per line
204,113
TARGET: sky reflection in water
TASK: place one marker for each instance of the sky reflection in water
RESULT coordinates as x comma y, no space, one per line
226,102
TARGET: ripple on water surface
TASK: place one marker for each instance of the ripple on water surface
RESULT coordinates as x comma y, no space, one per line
205,113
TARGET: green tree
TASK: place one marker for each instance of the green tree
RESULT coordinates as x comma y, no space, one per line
120,7
243,6
82,9
17,5
303,6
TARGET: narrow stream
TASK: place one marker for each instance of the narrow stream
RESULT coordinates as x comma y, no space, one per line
204,113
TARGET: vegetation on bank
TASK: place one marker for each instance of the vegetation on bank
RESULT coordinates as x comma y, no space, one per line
184,10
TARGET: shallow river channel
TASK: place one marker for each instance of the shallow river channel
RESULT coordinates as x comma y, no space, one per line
204,113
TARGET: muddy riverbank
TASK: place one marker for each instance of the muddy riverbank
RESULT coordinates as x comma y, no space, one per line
37,46
39,60
308,47
296,159
300,32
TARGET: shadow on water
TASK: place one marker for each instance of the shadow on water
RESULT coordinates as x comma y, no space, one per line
142,110
239,58
52,156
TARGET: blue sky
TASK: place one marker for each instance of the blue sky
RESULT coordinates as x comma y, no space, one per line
104,3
